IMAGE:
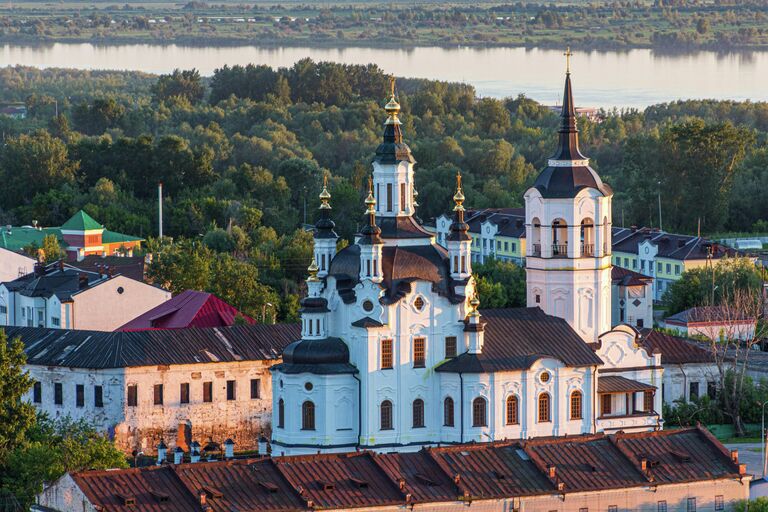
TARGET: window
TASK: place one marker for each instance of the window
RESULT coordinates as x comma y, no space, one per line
98,396
79,395
419,353
719,502
231,390
669,268
514,247
605,402
280,413
207,391
450,346
640,323
506,246
498,245
661,506
184,393
158,394
691,505
512,416
660,268
634,264
385,413
4,309
576,405
693,390
389,197
677,270
613,508
418,413
308,416
55,321
712,390
255,388
402,197
448,412
478,412
37,392
386,354
584,509
133,395
544,415
626,262
419,303
648,401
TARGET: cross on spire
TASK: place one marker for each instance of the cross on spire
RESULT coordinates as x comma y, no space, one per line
568,53
392,85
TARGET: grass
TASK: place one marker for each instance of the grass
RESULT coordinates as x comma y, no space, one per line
726,435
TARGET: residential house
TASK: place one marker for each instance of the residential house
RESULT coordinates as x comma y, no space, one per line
676,471
632,298
61,296
14,264
141,387
190,308
713,322
497,233
80,236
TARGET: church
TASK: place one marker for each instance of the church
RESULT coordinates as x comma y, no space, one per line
396,354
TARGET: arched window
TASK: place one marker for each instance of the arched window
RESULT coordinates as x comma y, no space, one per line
606,237
559,238
576,405
308,416
418,413
535,249
544,408
479,412
280,413
587,237
448,412
386,415
512,417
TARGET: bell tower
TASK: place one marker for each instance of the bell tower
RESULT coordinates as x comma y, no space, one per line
568,234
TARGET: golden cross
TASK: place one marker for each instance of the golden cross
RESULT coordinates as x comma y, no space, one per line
370,184
458,180
325,180
392,85
568,54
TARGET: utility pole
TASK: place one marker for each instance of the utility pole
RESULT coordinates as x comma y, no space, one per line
661,226
160,209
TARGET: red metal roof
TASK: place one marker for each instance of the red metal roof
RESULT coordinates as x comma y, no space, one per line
188,309
626,277
474,471
674,349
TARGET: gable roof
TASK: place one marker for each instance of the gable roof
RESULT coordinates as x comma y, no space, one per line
674,349
100,350
670,245
128,266
626,277
517,337
500,470
59,279
708,314
81,221
510,221
190,308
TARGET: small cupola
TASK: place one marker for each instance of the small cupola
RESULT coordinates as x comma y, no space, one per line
459,241
370,242
474,327
314,308
325,237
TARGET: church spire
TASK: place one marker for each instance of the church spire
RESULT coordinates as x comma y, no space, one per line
392,148
568,134
325,236
459,228
371,232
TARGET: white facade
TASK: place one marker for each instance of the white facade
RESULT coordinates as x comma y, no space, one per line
14,264
632,305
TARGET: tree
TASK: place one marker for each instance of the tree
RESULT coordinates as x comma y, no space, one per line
52,249
16,415
184,265
185,84
504,280
702,26
96,118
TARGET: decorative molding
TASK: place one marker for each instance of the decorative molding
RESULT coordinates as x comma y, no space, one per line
568,163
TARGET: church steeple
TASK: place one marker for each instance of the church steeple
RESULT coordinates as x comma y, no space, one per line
459,242
370,241
568,134
325,236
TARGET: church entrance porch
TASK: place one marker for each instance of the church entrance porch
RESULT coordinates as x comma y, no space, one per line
625,404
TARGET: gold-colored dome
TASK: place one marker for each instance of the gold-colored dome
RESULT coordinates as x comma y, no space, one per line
370,201
325,196
313,270
458,197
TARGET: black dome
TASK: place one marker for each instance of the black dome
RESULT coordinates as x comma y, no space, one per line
568,181
325,351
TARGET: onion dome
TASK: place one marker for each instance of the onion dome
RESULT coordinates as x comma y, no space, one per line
324,228
568,170
371,233
321,357
459,228
392,148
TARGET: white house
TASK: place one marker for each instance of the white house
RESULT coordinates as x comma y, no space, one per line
176,385
394,354
631,298
61,296
713,322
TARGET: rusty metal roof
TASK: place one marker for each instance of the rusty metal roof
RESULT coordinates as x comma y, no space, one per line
588,463
618,384
98,350
674,349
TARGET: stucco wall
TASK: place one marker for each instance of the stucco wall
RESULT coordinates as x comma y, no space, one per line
13,265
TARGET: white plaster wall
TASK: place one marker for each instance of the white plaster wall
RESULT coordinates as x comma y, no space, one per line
14,265
64,495
102,308
677,380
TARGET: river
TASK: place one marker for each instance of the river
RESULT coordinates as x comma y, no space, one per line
633,78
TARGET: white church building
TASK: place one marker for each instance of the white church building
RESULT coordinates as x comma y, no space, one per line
395,354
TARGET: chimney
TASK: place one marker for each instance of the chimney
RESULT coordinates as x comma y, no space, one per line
229,449
644,464
263,445
552,471
39,268
162,450
61,265
83,281
633,228
178,455
203,497
735,456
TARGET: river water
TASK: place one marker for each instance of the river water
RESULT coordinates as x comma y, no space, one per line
633,78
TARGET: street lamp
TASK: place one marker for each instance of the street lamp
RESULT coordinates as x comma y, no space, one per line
762,438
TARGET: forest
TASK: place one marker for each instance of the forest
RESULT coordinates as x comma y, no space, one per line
242,156
671,25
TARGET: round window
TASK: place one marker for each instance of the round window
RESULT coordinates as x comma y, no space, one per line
544,377
368,306
308,386
120,290
419,303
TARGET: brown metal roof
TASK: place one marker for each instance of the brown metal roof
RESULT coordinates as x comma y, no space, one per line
618,384
517,337
674,350
626,277
340,481
421,476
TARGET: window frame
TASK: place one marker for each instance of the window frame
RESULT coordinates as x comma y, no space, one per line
98,396
132,395
577,405
512,410
308,415
690,504
280,413
79,395
37,392
544,404
417,414
420,352
157,394
255,389
606,399
208,392
387,354
231,390
184,393
451,342
719,502
449,415
661,506
386,420
479,412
